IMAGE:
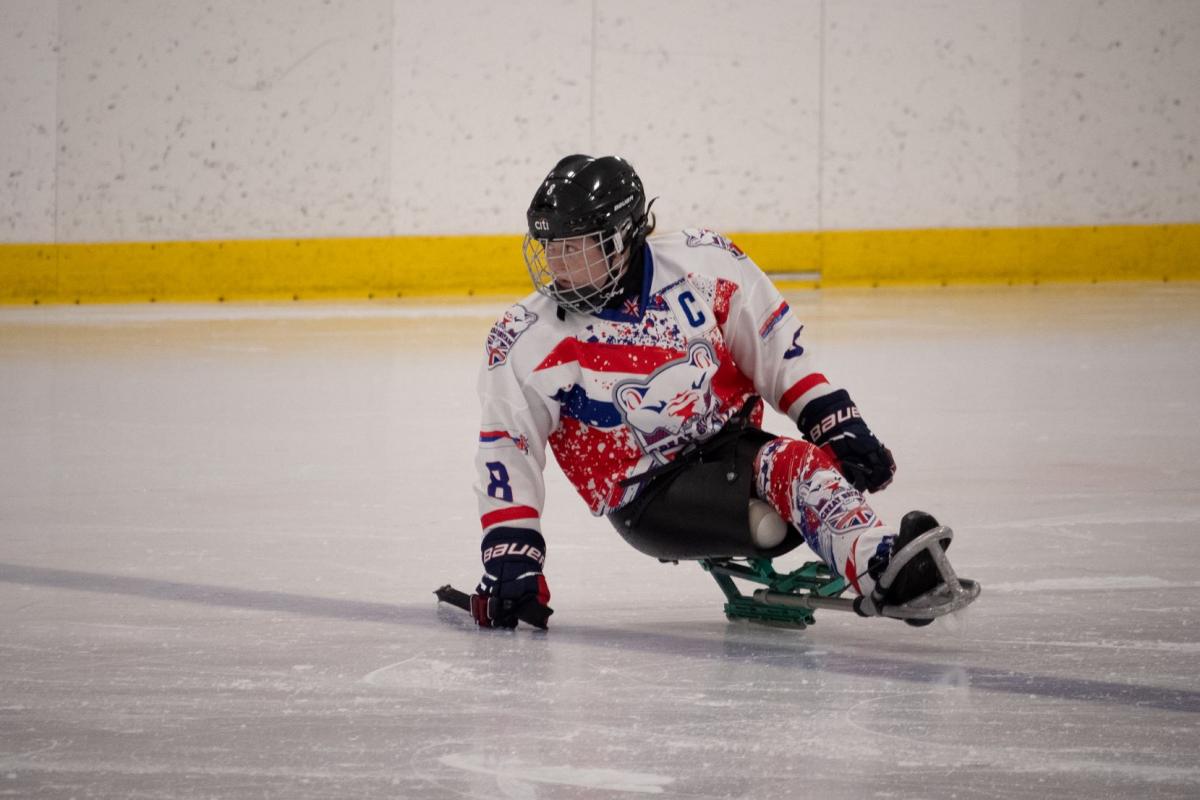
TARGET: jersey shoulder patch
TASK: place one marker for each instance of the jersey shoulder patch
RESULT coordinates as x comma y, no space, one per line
771,321
702,237
504,334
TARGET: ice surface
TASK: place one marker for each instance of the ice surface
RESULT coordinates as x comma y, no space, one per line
221,526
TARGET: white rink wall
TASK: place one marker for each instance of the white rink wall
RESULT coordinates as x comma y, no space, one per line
147,120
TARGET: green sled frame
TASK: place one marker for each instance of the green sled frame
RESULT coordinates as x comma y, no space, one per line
810,584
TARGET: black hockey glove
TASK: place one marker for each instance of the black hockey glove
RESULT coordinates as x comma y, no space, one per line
513,587
833,422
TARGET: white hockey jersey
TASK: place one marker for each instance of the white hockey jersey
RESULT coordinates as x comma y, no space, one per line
619,391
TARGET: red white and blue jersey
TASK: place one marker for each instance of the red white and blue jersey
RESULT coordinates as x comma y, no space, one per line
619,391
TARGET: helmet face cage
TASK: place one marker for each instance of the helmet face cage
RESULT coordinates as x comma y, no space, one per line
580,273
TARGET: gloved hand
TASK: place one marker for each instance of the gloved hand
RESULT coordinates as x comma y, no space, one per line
512,586
833,422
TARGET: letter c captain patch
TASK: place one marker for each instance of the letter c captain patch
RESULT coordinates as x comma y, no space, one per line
505,333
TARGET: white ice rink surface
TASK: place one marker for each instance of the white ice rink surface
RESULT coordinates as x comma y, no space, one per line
221,526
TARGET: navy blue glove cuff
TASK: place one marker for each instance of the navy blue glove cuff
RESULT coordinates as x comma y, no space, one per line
513,544
827,416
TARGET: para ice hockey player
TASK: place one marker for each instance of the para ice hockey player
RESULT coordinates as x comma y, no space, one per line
642,362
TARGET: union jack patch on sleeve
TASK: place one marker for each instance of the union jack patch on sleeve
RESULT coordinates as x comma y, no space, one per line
499,438
772,321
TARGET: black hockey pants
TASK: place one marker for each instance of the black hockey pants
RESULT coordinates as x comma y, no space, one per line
697,505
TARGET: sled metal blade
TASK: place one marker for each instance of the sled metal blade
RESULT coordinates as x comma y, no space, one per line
809,601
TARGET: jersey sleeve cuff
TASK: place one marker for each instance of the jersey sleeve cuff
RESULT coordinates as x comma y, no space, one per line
802,392
527,516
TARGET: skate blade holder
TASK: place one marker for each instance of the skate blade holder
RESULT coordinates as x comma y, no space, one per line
952,594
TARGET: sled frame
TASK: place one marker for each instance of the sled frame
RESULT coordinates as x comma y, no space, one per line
812,581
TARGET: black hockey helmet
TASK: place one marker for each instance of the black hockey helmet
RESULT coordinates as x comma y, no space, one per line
588,205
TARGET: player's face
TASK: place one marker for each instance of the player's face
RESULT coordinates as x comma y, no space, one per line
577,263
